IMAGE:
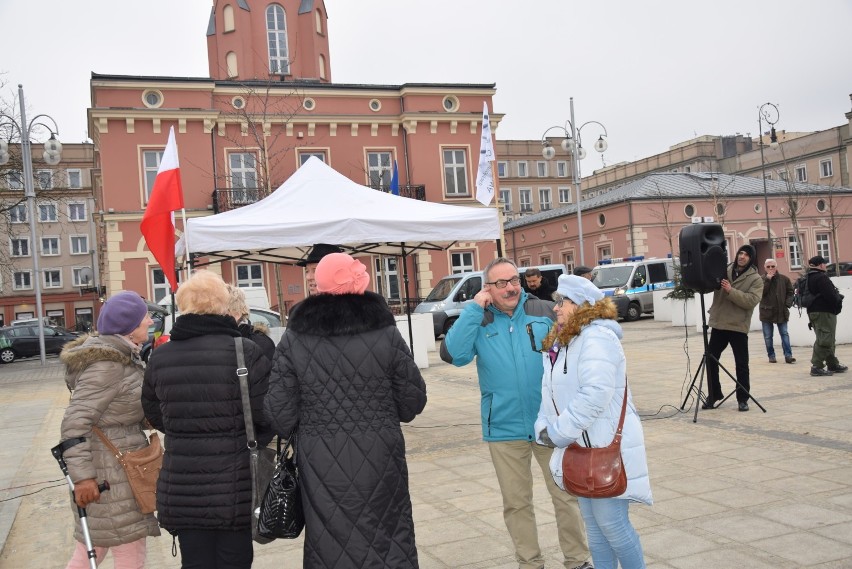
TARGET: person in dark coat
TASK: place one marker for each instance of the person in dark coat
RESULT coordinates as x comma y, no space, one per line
257,333
775,310
192,394
537,285
345,377
822,315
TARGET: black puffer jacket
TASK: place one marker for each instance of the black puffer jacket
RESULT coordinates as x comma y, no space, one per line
343,373
828,298
191,393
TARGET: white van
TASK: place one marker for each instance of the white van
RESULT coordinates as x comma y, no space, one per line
635,278
452,292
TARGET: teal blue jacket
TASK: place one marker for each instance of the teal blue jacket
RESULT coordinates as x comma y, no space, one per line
508,362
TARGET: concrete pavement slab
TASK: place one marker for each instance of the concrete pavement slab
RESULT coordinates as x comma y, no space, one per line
733,489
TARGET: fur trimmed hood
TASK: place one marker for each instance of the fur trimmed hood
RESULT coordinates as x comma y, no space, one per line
79,354
341,314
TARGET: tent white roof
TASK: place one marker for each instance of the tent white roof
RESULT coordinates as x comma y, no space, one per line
319,205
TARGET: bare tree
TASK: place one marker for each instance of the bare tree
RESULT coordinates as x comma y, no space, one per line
663,215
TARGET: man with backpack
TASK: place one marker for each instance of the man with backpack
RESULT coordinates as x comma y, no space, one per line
822,312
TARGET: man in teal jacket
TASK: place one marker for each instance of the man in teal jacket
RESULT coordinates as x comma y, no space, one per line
503,328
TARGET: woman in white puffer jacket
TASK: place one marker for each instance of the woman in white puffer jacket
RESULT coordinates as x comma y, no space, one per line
583,390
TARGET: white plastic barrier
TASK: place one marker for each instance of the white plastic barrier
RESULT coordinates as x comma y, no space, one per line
797,326
424,336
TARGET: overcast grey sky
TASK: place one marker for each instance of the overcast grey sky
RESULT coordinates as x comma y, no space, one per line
655,72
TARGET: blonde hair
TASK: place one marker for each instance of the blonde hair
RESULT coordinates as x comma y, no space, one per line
237,301
203,292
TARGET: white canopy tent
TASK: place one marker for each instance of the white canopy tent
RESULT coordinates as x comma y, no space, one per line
319,205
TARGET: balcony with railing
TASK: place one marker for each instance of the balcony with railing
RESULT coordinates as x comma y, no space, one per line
408,191
226,199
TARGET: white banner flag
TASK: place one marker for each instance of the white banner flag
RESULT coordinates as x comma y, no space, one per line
484,173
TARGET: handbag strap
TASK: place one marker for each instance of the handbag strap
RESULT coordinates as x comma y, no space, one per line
242,377
617,437
106,441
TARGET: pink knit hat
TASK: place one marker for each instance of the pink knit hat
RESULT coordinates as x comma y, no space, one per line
339,273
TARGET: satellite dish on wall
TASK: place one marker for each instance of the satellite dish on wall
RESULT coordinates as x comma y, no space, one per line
86,276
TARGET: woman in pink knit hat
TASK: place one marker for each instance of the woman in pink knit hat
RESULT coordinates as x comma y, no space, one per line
344,376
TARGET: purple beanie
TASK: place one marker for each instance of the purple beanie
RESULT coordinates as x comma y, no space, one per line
122,313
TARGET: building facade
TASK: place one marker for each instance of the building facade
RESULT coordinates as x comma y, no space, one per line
645,216
268,105
65,240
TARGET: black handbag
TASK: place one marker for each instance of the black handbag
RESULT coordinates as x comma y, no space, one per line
281,513
261,460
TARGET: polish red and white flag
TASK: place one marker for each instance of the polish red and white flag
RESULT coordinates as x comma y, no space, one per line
158,222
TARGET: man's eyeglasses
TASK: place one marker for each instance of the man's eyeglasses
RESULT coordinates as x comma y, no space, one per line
770,266
501,283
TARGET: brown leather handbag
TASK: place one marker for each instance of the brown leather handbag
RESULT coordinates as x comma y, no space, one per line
142,467
596,472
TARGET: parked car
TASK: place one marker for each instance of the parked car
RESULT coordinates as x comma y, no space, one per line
160,331
21,341
845,269
448,298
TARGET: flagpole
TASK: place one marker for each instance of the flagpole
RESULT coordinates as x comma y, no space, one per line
186,266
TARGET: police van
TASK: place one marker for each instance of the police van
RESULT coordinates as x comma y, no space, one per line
635,278
453,292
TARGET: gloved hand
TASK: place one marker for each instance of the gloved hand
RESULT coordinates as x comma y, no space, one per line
545,439
86,492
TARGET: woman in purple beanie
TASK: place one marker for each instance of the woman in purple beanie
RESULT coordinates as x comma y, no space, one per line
104,373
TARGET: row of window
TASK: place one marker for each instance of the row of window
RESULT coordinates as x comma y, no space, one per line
826,170
525,199
47,179
542,169
251,275
52,278
82,316
50,245
48,212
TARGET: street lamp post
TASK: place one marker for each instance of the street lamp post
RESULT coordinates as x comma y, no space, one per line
766,112
573,143
52,155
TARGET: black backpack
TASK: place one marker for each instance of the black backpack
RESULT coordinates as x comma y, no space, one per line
803,297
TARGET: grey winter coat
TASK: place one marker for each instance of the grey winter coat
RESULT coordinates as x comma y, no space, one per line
344,375
104,375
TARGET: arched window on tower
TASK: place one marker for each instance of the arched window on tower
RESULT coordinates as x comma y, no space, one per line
318,17
228,17
322,66
231,62
276,34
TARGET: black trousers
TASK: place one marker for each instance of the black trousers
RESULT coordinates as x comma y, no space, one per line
719,340
212,549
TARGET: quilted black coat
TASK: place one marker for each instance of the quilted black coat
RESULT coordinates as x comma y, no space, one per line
343,373
191,393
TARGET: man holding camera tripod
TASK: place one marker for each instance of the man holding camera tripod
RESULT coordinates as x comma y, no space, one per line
730,319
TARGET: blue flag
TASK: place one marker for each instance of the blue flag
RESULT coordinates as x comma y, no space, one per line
394,185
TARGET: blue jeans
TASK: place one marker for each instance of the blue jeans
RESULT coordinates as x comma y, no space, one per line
612,539
768,328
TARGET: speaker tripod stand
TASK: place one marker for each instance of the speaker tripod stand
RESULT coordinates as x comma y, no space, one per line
699,373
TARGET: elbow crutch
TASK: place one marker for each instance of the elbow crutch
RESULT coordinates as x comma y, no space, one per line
57,453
